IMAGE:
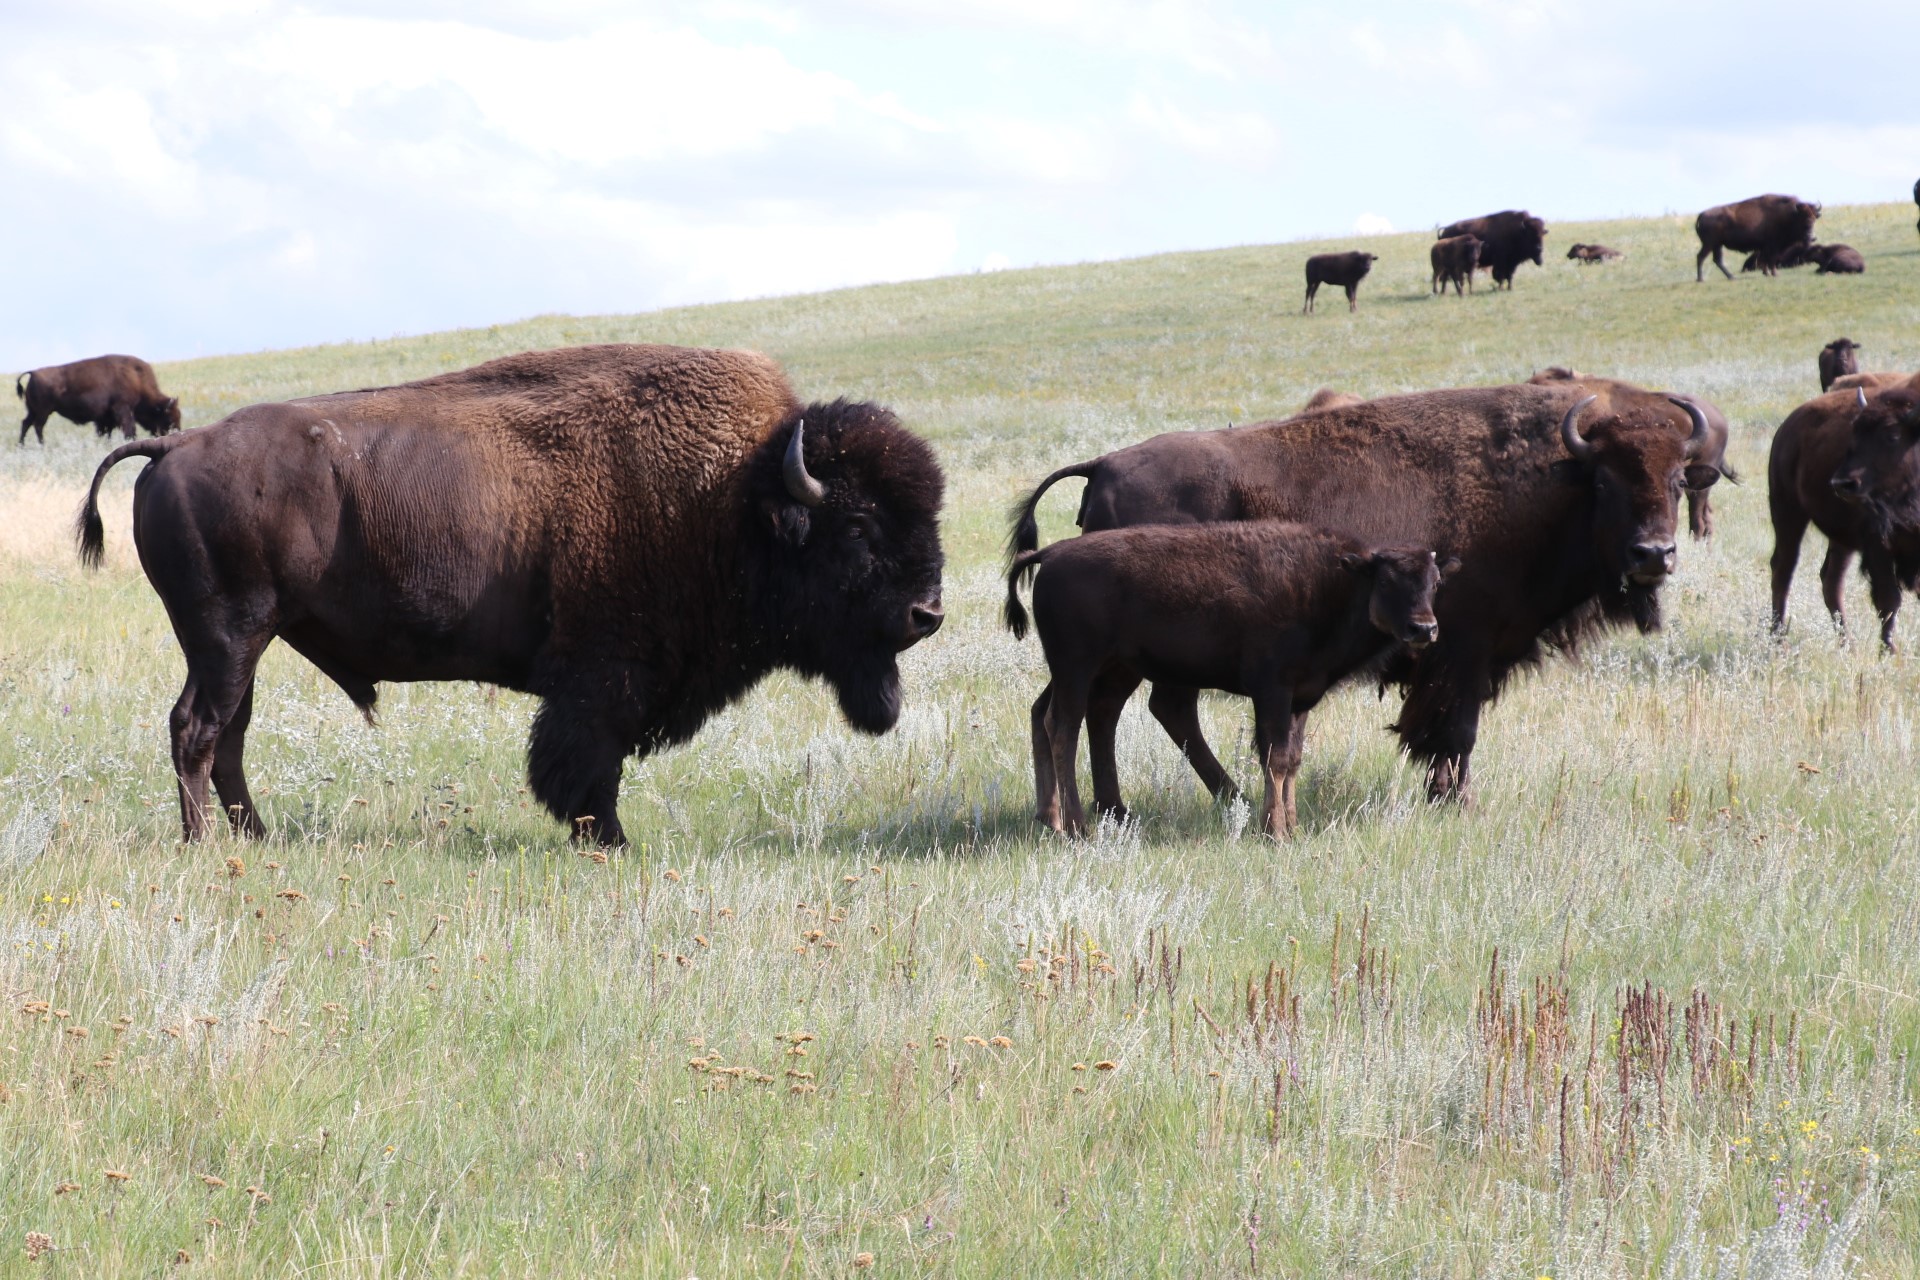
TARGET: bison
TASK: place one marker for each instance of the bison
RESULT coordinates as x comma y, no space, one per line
1507,239
1588,254
1279,613
1764,225
1837,260
634,534
1916,201
1842,462
1773,262
1561,532
1344,269
1836,361
1328,398
108,391
1454,261
1699,500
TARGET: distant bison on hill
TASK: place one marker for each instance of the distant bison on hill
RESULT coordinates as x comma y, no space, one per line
1588,254
107,391
1766,226
1344,269
634,534
1507,239
1837,361
1454,261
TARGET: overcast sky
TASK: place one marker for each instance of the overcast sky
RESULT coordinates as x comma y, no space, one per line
198,176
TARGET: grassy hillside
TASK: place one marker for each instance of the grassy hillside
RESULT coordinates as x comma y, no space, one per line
846,1009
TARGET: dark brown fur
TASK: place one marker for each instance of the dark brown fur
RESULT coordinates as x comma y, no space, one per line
1837,260
1588,254
1837,360
1344,269
1766,226
111,392
1829,467
605,527
1507,239
1279,613
1478,473
1454,260
1328,398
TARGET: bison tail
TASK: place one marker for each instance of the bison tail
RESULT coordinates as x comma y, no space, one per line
20,386
1026,528
1024,565
88,530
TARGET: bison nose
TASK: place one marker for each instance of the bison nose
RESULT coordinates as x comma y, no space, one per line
1422,634
1649,560
1847,484
923,620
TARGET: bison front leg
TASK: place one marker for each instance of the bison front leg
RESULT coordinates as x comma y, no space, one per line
1883,584
1177,708
1274,735
1440,720
574,760
1353,296
1833,584
1700,513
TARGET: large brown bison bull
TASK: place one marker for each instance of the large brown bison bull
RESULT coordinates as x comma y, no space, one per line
1561,529
1507,239
1279,613
1843,462
634,534
1344,269
111,392
1766,226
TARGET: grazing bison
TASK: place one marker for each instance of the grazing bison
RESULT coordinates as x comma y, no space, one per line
1507,239
1276,612
1842,462
1699,500
1328,398
1588,254
1454,261
1766,226
1837,260
1561,532
1344,269
634,534
107,391
1836,361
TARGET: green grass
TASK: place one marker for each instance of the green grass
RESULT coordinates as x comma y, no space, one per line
464,1049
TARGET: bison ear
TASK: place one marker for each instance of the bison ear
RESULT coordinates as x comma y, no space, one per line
1355,562
791,521
1449,566
1569,471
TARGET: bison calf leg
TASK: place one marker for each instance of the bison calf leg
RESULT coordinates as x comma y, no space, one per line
1104,705
1177,708
573,768
1279,736
1046,790
1065,711
1353,293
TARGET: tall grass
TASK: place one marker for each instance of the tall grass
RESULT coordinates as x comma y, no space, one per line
1649,1009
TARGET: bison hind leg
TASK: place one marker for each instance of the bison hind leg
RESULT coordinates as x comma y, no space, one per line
573,768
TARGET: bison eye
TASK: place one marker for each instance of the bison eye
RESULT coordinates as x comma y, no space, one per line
855,532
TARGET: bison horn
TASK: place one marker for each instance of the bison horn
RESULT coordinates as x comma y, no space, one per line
1570,432
807,491
1860,397
1698,439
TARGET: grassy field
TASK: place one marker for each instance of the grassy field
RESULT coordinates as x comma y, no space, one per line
847,1010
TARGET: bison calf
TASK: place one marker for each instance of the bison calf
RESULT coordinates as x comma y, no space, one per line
1454,260
1588,254
1836,260
1836,361
1344,269
108,391
1276,612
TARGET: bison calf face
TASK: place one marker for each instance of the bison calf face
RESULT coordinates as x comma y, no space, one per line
1637,471
1404,580
855,563
1881,470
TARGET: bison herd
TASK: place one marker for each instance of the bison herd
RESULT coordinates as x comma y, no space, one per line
636,535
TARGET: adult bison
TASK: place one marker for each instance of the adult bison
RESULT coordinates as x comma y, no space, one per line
1837,361
1843,463
1507,239
1916,201
1764,225
1454,260
108,391
1699,500
1344,269
1562,528
635,534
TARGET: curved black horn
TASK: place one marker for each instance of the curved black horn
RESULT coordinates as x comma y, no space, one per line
807,491
1570,432
1700,428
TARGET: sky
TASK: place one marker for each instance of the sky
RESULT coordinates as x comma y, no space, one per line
185,177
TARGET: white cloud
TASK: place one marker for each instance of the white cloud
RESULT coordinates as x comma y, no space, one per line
1372,224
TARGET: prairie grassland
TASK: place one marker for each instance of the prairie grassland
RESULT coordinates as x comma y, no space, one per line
846,1009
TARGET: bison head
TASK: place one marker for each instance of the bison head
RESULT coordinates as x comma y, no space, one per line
1637,467
1881,470
158,416
845,533
1404,580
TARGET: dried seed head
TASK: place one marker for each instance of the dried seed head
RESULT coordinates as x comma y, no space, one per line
66,1187
976,1041
1105,1064
38,1242
236,868
671,874
861,1261
1001,1042
213,1183
117,1175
